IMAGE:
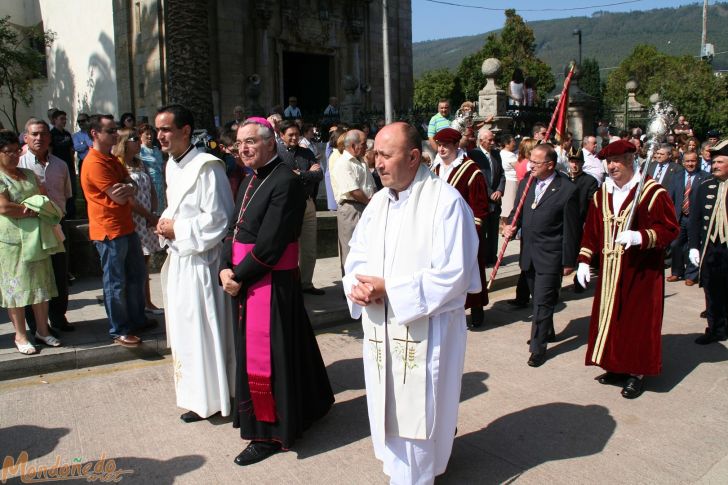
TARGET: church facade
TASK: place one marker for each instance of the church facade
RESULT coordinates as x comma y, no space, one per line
258,54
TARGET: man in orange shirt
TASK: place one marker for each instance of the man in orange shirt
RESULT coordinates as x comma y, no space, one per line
109,192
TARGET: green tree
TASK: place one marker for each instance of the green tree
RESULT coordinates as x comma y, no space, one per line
590,81
432,86
686,82
22,59
515,47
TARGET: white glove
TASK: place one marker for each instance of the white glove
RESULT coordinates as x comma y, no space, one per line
694,257
582,274
629,238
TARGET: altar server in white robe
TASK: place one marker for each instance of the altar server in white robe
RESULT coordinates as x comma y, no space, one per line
412,260
192,227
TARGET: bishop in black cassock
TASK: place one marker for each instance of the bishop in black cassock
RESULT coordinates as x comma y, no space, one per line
281,384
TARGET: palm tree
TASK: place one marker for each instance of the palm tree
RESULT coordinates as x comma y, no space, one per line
188,65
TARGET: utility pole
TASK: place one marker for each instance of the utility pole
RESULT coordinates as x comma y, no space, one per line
387,80
704,38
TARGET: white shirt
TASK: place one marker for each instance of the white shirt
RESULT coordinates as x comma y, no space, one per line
508,161
619,195
593,166
445,170
349,174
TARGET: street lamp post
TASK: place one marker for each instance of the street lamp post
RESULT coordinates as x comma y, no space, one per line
577,32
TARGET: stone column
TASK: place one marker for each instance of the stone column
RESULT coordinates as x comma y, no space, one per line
350,106
582,109
492,99
354,31
263,15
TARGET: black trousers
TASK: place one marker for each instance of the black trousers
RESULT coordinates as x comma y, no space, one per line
58,305
490,233
523,293
545,291
714,278
681,266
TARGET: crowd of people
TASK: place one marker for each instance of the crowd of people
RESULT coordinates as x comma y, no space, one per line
415,234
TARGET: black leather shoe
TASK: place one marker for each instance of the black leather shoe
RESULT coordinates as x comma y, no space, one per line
633,388
517,303
191,417
610,378
709,338
314,291
537,360
255,452
63,327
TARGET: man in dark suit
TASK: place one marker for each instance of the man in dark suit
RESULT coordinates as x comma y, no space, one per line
708,241
586,186
662,168
549,242
489,161
683,192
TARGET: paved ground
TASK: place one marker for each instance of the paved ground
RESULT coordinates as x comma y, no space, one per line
553,424
90,344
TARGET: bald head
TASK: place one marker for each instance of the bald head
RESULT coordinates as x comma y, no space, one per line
397,152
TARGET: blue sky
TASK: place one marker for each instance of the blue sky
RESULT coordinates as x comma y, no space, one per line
437,21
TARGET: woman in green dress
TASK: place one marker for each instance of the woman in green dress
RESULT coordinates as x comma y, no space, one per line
21,283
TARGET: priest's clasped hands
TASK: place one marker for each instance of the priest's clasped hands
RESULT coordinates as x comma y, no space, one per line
369,288
229,285
165,228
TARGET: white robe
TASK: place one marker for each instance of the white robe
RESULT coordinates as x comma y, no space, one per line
198,313
438,292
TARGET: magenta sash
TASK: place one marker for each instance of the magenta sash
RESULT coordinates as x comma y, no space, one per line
257,331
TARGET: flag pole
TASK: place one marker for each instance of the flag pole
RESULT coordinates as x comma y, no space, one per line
519,207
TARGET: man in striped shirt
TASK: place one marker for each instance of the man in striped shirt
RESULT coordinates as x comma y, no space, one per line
439,121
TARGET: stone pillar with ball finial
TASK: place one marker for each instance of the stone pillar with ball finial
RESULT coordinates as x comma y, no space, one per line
492,99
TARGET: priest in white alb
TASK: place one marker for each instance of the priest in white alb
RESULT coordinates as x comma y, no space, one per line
412,260
198,313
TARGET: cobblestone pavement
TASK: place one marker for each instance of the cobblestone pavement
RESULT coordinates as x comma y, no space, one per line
553,424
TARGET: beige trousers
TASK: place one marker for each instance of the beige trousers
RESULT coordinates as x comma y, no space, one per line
347,216
307,245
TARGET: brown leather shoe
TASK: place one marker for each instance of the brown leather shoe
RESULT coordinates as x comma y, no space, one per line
689,282
672,278
128,340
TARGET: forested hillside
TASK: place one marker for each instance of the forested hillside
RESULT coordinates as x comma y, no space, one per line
607,37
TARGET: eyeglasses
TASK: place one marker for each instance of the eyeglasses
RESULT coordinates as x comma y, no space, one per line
538,164
248,142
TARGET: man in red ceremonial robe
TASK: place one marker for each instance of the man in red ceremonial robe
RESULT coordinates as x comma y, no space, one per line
453,166
281,383
626,321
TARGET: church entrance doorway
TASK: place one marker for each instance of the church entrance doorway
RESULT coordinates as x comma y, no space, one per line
308,77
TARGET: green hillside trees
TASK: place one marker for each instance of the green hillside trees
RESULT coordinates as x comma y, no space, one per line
514,47
687,82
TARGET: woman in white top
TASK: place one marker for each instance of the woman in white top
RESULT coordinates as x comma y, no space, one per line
563,150
515,88
509,160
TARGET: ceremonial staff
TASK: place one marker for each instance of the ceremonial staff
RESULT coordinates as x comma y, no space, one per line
559,106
